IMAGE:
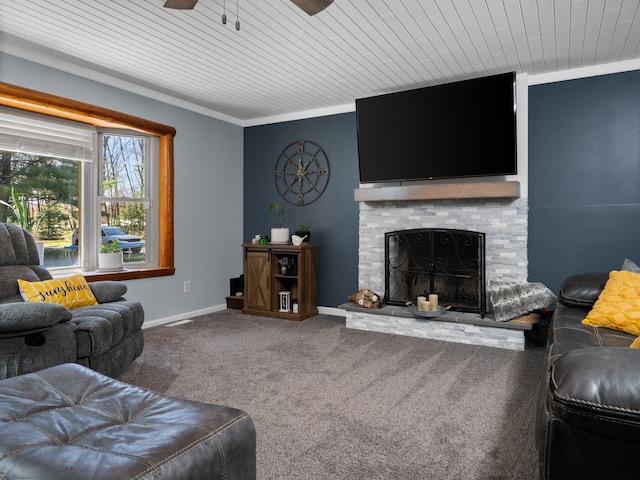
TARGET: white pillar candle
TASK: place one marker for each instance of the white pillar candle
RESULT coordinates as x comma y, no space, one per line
433,301
422,303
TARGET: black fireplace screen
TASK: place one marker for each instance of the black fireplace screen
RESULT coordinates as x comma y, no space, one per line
450,263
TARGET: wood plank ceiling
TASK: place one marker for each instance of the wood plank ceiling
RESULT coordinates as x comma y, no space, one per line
284,61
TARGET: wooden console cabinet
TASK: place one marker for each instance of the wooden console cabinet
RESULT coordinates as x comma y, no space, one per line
264,280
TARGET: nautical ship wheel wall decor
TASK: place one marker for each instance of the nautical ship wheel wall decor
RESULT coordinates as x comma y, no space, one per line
301,174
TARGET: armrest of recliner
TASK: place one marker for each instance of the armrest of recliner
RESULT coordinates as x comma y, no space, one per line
28,316
107,291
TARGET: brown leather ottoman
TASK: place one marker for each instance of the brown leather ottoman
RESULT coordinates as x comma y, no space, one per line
68,422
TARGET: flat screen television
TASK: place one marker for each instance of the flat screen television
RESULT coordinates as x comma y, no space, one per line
460,129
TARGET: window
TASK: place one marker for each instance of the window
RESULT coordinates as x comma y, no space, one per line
42,161
124,191
120,203
127,199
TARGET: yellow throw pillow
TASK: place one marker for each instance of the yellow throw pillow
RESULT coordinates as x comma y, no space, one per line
636,343
72,292
618,306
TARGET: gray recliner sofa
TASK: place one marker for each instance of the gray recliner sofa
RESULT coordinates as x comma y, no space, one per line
106,337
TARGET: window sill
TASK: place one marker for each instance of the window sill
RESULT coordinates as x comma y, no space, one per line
129,274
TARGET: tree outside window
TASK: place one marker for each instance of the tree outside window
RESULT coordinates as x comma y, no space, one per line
41,194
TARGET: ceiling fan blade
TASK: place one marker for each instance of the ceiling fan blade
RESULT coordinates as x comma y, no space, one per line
312,6
180,4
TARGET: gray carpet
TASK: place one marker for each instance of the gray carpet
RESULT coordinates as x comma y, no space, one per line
334,403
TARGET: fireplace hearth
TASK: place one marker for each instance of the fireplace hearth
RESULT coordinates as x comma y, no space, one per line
447,262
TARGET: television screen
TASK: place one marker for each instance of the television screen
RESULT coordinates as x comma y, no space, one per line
461,129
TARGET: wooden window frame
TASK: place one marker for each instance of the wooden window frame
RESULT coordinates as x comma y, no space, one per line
55,106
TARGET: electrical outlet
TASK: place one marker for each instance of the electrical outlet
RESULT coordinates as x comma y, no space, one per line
187,286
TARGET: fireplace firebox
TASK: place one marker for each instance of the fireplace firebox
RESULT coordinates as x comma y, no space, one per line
450,263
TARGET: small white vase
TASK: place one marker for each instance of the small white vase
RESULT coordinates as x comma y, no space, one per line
279,235
110,262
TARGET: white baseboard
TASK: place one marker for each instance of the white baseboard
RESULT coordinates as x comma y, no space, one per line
216,308
183,316
332,311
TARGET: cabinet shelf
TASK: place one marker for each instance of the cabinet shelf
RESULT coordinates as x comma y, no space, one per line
264,280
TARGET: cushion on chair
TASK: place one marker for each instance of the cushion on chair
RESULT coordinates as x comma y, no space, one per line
72,292
100,327
19,317
18,246
582,290
107,291
618,305
9,285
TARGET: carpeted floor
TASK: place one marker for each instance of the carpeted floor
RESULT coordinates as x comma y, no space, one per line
334,403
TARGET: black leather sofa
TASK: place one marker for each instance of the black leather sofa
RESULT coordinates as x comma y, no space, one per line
588,419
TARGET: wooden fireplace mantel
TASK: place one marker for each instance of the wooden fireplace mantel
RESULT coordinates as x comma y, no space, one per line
510,189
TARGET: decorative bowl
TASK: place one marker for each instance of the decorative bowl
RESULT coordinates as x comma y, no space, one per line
428,313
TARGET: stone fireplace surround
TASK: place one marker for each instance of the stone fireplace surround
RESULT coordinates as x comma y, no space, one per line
503,220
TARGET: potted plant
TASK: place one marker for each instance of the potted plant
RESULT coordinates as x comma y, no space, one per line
285,263
110,257
278,235
304,232
20,209
288,266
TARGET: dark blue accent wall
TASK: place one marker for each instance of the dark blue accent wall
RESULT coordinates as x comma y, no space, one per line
584,183
333,217
584,176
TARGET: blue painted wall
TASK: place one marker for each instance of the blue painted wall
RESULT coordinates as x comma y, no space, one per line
584,176
333,217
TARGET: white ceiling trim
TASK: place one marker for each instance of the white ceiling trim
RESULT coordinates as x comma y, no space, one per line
19,48
320,112
605,69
